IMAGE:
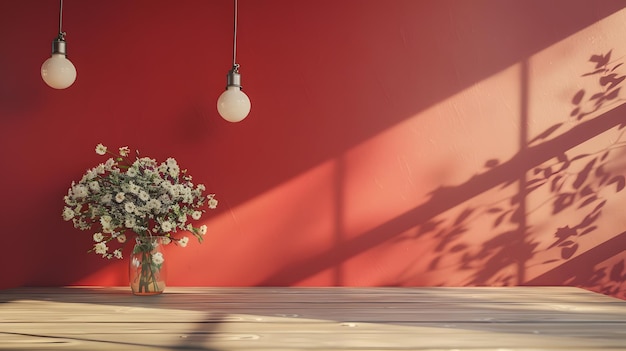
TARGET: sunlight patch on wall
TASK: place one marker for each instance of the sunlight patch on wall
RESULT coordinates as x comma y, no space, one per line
576,203
278,228
484,138
464,168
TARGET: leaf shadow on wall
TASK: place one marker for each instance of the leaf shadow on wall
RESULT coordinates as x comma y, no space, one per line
577,182
541,165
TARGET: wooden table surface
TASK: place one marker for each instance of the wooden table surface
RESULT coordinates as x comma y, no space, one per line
265,318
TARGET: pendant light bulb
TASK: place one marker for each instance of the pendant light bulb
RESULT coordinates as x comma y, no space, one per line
233,105
57,71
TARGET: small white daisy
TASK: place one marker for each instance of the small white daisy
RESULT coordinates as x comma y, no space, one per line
101,248
166,226
124,151
117,253
101,149
183,241
119,197
67,213
98,237
158,258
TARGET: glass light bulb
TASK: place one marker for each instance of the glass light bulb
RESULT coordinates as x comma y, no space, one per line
233,105
58,72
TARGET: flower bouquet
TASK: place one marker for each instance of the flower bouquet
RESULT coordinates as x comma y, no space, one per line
157,203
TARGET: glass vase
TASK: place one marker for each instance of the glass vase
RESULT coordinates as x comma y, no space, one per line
147,266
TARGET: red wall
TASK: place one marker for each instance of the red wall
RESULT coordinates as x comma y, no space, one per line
407,143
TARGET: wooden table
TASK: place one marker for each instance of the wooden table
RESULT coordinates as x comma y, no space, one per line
508,318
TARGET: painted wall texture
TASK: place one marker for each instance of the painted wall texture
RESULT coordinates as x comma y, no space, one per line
402,143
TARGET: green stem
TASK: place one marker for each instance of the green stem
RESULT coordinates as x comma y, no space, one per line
147,274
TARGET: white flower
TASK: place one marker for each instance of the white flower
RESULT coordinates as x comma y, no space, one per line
101,149
108,165
130,222
106,223
162,168
212,203
94,185
91,174
187,198
68,213
153,204
166,185
166,226
183,241
174,191
156,177
124,151
106,198
158,258
129,207
148,162
144,196
182,190
101,248
105,220
98,237
119,197
173,171
80,191
160,200
134,188
117,253
171,162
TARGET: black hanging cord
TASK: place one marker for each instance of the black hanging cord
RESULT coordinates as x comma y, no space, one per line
235,36
58,44
233,78
60,16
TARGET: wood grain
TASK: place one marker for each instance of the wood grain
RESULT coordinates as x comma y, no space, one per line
267,318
